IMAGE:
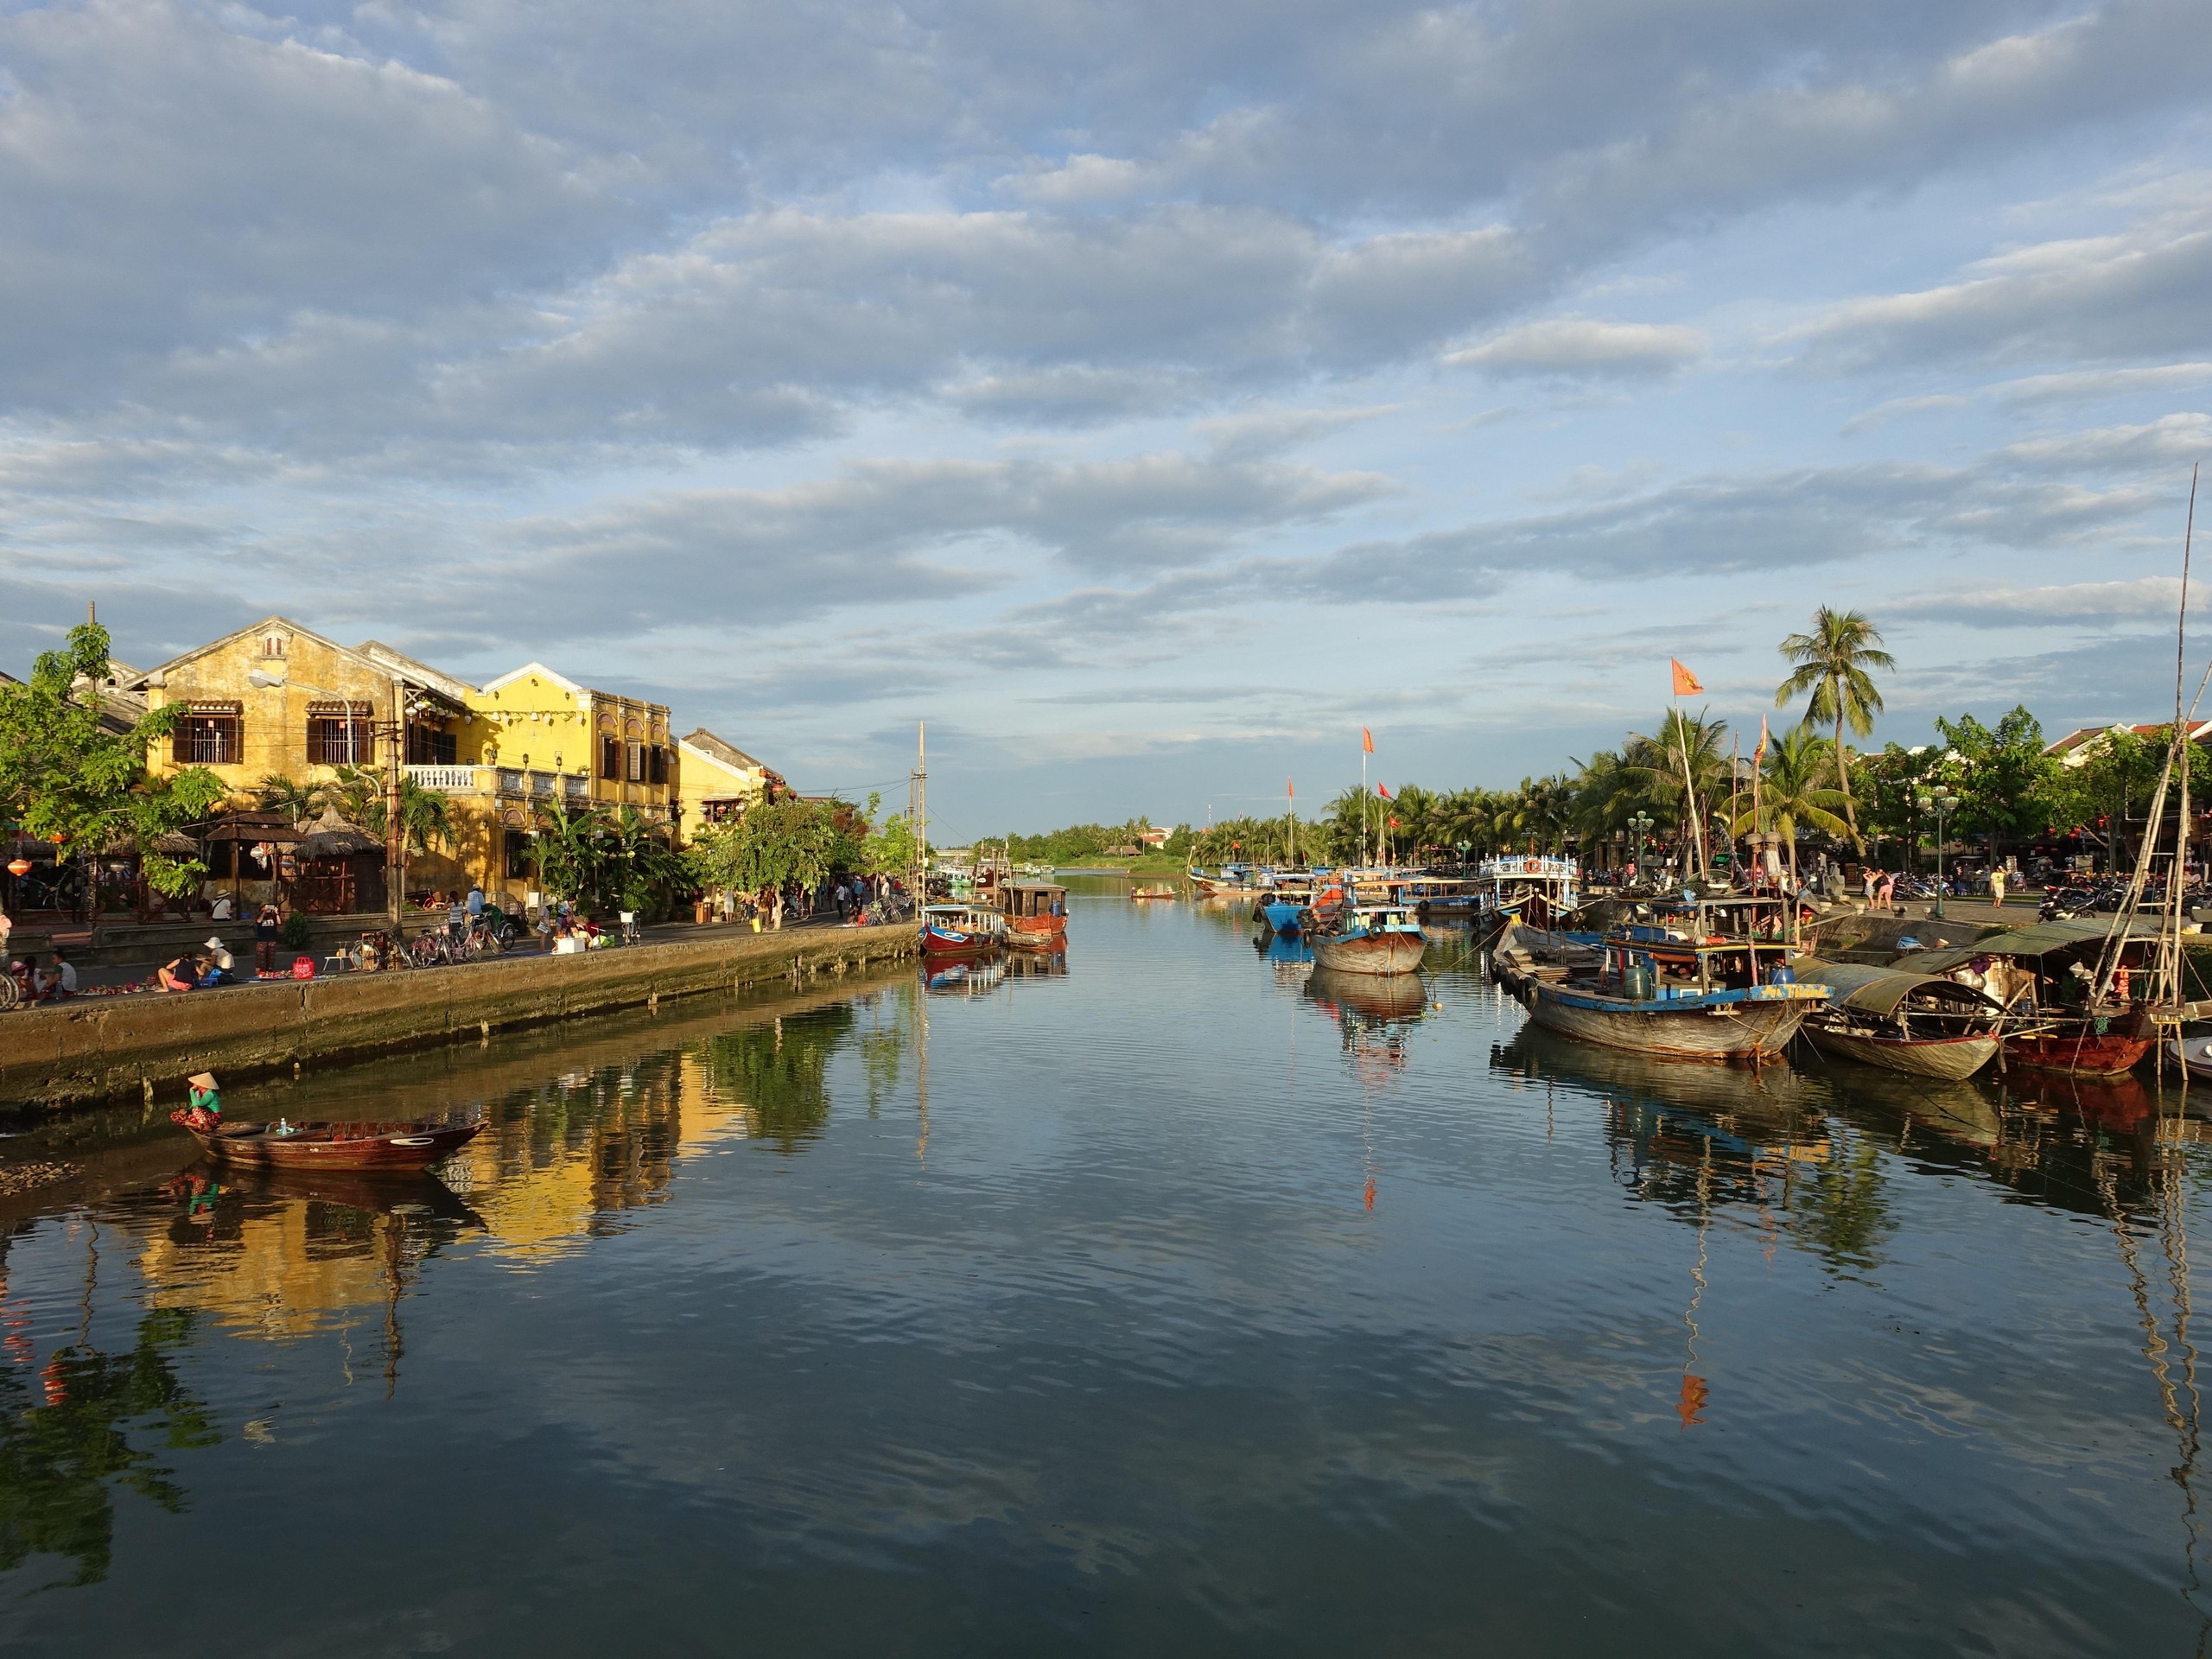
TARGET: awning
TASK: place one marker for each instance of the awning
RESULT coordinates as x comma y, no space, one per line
1878,990
2039,940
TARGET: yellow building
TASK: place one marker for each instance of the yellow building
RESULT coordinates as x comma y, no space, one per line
717,781
276,700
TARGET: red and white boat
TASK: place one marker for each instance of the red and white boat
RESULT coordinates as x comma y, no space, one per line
960,930
1036,915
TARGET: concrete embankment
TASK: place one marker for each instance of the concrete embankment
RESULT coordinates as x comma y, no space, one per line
101,1047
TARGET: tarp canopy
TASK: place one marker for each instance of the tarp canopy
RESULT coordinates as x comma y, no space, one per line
1878,990
2040,940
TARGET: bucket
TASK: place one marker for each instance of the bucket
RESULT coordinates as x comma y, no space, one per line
1640,981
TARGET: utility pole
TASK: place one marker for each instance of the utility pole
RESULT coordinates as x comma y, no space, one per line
917,814
395,868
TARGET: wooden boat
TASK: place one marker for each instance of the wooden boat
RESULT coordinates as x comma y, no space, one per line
1919,1024
1530,888
335,1146
1152,893
1614,993
2192,1054
960,930
2031,971
1036,915
1371,940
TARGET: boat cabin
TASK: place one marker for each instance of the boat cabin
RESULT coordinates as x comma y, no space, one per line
1026,900
973,921
1711,944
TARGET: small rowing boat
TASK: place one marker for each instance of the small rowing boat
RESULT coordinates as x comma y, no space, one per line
1152,893
1920,1024
335,1146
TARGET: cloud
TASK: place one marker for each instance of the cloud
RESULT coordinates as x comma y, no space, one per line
1584,348
2086,604
2137,292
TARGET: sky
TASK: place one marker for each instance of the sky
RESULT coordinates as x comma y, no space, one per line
1146,396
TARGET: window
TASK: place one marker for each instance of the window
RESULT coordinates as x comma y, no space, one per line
519,861
657,770
429,746
210,736
610,757
636,771
339,735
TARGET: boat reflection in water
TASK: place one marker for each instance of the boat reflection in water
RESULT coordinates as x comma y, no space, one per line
1371,1012
1038,965
970,977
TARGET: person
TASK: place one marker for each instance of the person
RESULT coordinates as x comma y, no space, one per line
176,974
212,974
475,901
457,916
545,926
220,910
1885,892
1997,885
265,927
63,981
203,1108
838,896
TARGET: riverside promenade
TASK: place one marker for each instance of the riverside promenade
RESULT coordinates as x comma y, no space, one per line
100,1048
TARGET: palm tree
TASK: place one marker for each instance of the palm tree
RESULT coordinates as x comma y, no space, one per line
297,802
1684,741
1790,794
1832,663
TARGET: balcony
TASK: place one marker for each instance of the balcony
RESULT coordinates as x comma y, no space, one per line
505,783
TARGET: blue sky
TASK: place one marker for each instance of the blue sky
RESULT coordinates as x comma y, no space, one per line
1145,396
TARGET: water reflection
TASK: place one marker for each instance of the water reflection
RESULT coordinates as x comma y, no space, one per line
66,1436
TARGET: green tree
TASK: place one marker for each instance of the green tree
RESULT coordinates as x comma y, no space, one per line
425,815
1657,764
1792,793
1889,786
297,802
2114,776
65,778
1833,663
772,844
2002,778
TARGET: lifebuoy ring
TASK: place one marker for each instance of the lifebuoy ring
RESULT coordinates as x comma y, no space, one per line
1533,866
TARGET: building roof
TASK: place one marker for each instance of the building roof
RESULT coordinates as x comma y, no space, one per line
2074,748
542,671
704,743
404,669
419,672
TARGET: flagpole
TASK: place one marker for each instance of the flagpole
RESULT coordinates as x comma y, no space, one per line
1362,796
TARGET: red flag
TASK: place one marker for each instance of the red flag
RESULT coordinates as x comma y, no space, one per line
1383,790
1685,683
1394,825
1366,740
1290,789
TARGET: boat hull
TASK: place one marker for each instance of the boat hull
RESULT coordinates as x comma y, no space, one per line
1283,915
941,942
1037,932
364,1146
2080,1052
1736,1031
1371,953
1950,1058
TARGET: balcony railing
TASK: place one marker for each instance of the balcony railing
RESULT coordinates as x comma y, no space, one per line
512,783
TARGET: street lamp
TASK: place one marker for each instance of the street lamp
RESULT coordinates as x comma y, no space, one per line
1641,824
1464,846
1940,801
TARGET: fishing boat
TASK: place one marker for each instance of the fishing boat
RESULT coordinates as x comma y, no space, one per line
1371,940
1693,992
960,930
2044,976
1531,888
1036,915
334,1146
1152,893
1919,1024
1284,901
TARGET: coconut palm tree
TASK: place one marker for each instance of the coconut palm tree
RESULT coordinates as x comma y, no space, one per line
1792,794
298,802
1684,741
1833,662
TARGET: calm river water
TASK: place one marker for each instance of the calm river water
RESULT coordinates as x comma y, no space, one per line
1174,1303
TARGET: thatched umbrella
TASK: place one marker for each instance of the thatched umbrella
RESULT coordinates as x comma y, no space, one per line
172,844
331,836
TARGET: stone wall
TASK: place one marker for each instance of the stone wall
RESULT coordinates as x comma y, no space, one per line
99,1047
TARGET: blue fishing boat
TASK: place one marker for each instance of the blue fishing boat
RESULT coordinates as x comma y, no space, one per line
1371,940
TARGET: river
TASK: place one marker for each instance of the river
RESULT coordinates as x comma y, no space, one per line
1163,1301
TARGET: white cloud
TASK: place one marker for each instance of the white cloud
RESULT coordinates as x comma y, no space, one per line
1585,349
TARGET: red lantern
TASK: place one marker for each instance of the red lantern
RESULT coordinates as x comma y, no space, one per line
19,867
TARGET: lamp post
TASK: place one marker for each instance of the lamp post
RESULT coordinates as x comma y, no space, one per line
1464,846
1938,800
1641,824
